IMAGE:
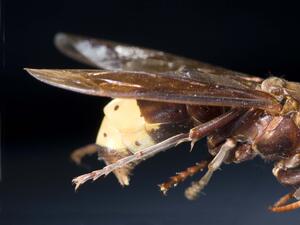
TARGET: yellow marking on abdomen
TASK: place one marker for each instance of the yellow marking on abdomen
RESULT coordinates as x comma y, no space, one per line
123,127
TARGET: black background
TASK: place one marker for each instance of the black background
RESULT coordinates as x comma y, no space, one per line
41,125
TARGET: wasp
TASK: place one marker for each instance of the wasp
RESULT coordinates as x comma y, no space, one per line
161,100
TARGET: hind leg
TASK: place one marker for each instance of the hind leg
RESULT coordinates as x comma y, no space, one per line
194,134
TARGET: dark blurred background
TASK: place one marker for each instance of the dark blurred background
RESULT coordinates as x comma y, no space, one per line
41,125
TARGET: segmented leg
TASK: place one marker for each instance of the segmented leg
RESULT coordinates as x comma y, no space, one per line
204,129
281,206
199,131
144,153
287,172
78,154
181,176
193,191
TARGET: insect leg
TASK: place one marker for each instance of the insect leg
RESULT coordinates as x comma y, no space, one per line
287,172
196,134
206,128
283,200
202,130
142,154
78,154
181,176
193,191
281,206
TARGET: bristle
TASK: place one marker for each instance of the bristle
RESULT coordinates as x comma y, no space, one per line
181,176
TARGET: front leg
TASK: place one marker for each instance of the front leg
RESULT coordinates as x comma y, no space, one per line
282,206
287,172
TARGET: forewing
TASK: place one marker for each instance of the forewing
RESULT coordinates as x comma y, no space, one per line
116,56
153,87
111,55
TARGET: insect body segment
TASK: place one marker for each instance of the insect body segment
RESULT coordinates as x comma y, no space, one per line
162,100
123,131
131,125
124,128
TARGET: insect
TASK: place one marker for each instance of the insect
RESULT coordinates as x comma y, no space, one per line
161,100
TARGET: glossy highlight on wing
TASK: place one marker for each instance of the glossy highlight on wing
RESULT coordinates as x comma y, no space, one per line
110,55
153,87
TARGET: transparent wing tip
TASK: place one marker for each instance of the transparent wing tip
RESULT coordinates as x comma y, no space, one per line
61,38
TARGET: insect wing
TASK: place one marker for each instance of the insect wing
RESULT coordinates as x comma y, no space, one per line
153,87
115,56
110,55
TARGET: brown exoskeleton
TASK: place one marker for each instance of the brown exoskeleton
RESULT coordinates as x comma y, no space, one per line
162,100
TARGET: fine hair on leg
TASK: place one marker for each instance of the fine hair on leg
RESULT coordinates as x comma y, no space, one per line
142,154
193,191
182,176
199,131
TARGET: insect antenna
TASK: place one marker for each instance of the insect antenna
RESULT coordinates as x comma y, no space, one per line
182,176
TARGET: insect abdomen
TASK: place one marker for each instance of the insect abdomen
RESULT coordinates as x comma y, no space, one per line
130,125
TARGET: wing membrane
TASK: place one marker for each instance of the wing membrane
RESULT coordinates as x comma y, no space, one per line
154,87
110,55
